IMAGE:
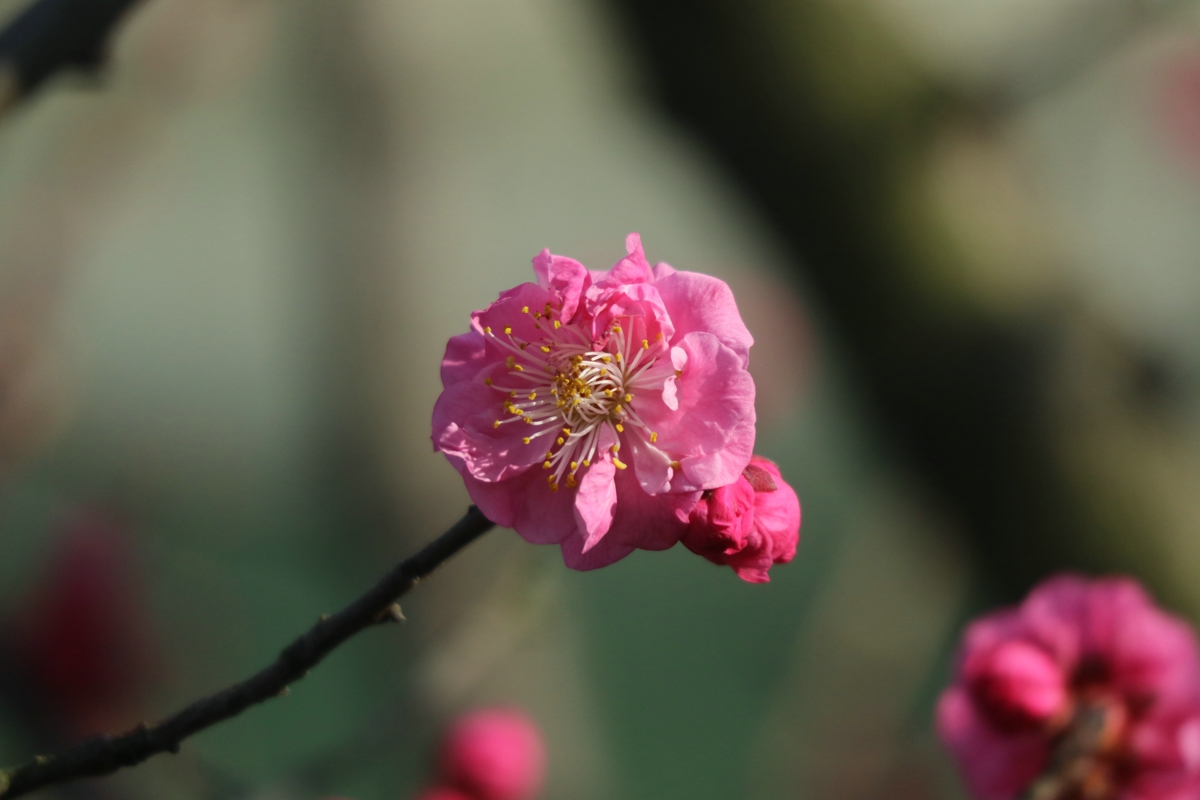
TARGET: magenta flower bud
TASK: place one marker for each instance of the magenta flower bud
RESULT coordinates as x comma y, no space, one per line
494,754
721,523
749,524
1017,685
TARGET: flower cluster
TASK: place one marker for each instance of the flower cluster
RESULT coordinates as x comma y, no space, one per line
603,411
1086,690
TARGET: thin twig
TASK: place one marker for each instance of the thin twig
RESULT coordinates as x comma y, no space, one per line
52,36
106,754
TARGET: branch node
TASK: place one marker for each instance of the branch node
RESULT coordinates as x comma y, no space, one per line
392,613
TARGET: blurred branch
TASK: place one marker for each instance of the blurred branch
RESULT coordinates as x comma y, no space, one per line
106,754
52,36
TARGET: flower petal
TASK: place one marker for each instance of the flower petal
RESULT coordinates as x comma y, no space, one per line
566,277
649,522
698,302
995,767
526,504
711,434
605,552
596,498
465,357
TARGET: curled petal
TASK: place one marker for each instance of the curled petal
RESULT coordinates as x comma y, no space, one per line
566,277
703,303
713,427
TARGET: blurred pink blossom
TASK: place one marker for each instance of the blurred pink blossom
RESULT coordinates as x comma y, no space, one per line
749,525
1087,688
83,637
591,409
493,754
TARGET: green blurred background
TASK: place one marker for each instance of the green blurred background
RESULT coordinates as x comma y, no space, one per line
963,233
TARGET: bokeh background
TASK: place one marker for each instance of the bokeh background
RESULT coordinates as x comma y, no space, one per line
963,232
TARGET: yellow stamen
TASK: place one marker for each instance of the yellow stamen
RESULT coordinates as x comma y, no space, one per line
560,440
659,337
487,381
488,329
533,395
645,344
545,349
620,428
508,329
525,309
587,462
675,465
574,465
653,436
545,465
526,440
618,463
557,324
628,398
571,482
496,424
618,358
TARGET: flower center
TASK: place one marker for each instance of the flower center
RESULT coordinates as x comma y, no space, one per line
568,389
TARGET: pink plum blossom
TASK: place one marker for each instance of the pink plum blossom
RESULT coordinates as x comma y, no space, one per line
749,524
493,754
591,409
1086,688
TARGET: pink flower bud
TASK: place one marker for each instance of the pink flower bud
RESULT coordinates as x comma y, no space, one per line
749,524
494,754
1017,685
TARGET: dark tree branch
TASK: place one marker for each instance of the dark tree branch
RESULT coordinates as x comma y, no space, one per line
106,754
52,36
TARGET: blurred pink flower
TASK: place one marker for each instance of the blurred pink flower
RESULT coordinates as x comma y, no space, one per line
1087,687
443,793
591,409
493,754
749,525
84,637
